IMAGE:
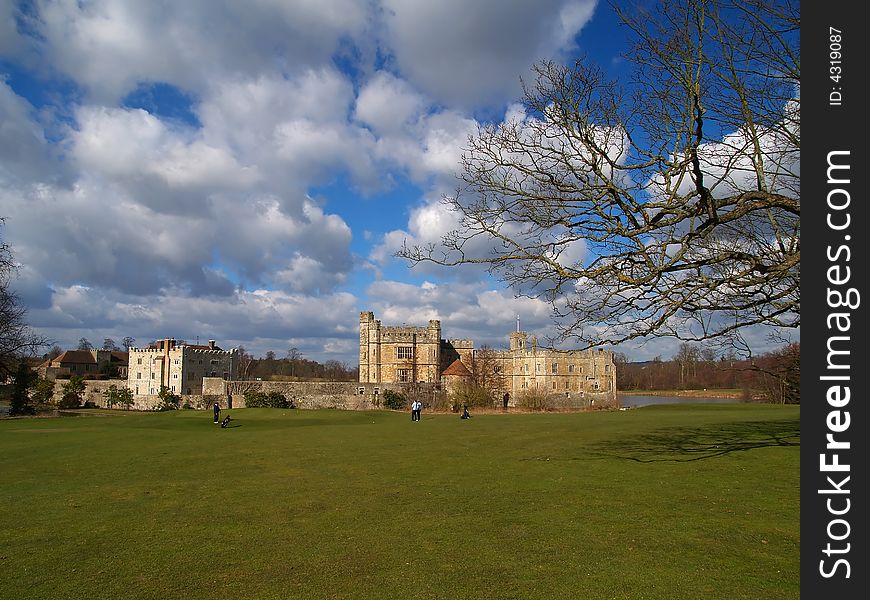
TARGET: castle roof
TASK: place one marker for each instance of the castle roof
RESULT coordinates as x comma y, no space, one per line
76,357
457,369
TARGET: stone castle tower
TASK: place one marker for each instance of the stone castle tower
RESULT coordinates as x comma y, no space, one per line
398,354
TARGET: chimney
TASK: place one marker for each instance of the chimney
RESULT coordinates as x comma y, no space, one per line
211,344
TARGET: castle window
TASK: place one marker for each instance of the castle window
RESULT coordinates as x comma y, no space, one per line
570,368
138,375
404,352
403,375
554,385
138,361
555,367
607,368
537,368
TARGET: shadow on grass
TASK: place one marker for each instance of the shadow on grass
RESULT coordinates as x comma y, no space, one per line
699,443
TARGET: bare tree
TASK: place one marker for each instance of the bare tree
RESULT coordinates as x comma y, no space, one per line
245,362
666,205
17,339
687,357
294,356
488,372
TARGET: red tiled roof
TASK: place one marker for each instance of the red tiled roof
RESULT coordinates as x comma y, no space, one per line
457,368
77,357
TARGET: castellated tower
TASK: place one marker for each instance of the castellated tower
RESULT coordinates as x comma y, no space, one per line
518,341
398,354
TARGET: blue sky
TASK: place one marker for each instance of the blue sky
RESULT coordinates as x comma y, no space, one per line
244,172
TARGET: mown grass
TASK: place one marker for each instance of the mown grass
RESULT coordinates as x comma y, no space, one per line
670,501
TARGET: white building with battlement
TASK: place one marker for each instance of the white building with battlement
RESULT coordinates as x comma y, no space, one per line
179,366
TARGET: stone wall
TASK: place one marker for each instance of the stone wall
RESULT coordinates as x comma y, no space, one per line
94,389
343,395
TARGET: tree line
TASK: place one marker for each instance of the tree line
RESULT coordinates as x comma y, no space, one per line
293,366
773,376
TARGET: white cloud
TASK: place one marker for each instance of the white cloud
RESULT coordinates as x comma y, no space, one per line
109,46
388,104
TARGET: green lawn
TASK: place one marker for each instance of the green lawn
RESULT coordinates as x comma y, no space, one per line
680,501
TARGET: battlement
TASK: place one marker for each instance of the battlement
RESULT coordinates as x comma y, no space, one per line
456,343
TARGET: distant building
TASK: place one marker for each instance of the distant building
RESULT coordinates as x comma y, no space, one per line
391,354
85,363
179,366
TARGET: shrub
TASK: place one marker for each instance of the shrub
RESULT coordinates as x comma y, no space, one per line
394,400
72,393
277,400
115,395
256,399
43,391
168,400
70,400
534,400
470,394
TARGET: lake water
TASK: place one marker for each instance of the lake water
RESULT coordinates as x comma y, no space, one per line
635,401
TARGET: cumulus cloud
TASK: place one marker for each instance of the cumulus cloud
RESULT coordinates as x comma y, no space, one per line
110,46
471,53
131,220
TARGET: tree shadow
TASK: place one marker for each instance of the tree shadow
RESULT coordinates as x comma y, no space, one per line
688,444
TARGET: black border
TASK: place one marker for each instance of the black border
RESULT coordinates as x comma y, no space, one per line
826,128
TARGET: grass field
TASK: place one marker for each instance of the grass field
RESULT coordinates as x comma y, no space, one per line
670,501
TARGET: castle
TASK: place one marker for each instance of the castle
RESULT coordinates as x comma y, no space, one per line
390,357
178,366
400,355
